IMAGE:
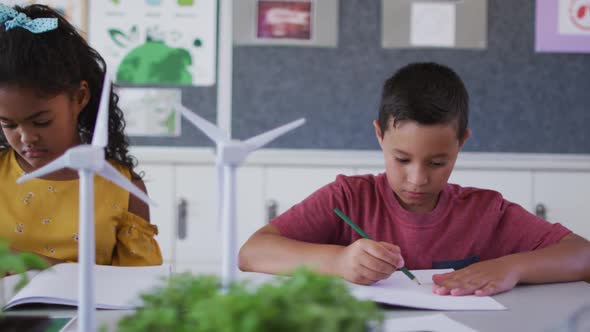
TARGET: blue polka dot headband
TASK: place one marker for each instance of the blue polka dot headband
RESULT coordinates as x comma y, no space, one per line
14,19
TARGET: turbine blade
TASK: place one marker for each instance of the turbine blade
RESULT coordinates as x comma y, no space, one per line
101,127
265,138
57,164
110,173
209,129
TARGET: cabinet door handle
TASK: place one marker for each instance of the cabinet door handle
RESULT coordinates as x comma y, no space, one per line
272,207
181,218
541,211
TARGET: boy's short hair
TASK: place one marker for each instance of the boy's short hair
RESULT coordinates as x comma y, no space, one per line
427,93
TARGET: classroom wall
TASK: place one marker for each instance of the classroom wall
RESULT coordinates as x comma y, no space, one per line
521,101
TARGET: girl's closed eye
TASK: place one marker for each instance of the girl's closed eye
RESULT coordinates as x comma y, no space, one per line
35,123
42,123
402,160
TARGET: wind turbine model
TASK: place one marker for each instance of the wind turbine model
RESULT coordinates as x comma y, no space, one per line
89,159
230,154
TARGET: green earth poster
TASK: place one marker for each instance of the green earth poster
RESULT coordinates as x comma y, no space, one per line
156,42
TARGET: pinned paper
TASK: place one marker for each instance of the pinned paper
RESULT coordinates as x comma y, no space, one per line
151,111
562,26
574,17
432,24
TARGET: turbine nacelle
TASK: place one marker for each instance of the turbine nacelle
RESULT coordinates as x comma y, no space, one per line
233,152
87,157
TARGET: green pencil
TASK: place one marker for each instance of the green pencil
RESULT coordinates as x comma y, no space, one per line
363,234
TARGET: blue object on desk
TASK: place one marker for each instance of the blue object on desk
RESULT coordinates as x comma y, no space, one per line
456,264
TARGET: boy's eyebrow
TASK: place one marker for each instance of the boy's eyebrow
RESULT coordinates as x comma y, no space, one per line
401,151
438,155
30,117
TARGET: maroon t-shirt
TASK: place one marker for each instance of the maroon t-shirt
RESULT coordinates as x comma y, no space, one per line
467,224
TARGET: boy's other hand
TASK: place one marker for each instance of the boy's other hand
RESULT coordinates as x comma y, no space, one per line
366,261
481,279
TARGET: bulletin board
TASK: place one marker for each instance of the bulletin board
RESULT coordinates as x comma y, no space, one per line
521,100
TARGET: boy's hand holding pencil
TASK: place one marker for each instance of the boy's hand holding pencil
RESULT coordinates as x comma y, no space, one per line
366,261
376,266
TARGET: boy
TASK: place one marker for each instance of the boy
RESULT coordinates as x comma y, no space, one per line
415,217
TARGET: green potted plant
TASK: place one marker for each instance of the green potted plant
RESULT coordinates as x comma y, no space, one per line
16,263
306,301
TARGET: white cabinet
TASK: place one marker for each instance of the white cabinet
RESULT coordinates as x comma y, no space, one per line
197,238
566,198
287,186
198,246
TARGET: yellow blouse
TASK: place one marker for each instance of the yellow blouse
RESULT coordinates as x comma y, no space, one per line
41,216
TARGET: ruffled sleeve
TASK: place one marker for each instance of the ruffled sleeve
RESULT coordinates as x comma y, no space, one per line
136,245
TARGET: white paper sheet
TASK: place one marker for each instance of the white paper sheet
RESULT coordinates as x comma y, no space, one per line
432,24
400,290
434,323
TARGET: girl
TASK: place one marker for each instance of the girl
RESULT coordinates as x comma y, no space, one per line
50,85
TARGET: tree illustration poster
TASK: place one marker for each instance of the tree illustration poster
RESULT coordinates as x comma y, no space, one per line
156,42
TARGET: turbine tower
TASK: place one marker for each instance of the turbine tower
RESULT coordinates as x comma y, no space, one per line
230,155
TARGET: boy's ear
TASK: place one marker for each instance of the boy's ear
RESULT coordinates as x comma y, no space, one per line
465,137
378,133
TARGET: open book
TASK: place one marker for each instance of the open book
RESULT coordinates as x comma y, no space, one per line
116,287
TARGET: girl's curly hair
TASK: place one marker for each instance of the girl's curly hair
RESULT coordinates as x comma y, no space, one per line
55,62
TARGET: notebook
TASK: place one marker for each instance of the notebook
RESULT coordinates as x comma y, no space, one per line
115,287
400,290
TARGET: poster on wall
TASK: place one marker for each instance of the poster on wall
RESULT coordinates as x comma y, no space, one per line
156,42
434,24
284,19
562,26
151,111
286,22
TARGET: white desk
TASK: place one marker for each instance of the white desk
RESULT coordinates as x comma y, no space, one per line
530,308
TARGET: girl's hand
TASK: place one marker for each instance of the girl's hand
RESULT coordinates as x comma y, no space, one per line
366,261
481,279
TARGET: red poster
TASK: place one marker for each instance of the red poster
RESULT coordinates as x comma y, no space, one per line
284,19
